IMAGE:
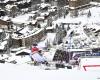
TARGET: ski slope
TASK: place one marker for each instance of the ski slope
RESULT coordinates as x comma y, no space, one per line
25,72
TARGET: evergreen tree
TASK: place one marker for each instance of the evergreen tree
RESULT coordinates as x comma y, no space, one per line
66,12
64,16
47,44
56,25
89,14
54,41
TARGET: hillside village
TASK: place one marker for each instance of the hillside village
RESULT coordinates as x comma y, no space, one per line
50,35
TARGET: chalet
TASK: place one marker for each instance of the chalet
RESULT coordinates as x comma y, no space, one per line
29,39
3,24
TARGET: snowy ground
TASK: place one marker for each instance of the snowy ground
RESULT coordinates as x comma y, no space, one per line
91,64
24,72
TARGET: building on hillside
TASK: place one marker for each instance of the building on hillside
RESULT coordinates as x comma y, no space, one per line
5,24
54,2
96,0
73,4
26,40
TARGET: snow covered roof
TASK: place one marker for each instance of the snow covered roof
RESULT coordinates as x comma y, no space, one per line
23,50
22,19
4,1
95,3
23,1
26,35
5,18
40,18
17,49
34,12
43,5
44,14
51,27
33,22
79,50
76,7
2,45
51,10
8,6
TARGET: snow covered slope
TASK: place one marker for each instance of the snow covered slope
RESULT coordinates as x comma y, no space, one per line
23,72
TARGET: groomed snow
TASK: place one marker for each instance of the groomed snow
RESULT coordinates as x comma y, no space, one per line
90,61
24,72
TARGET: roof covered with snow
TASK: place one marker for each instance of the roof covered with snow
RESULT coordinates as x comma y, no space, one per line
23,19
26,34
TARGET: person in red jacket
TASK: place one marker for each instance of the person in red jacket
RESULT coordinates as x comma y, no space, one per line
34,49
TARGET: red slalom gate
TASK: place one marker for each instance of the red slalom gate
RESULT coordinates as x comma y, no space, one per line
90,66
